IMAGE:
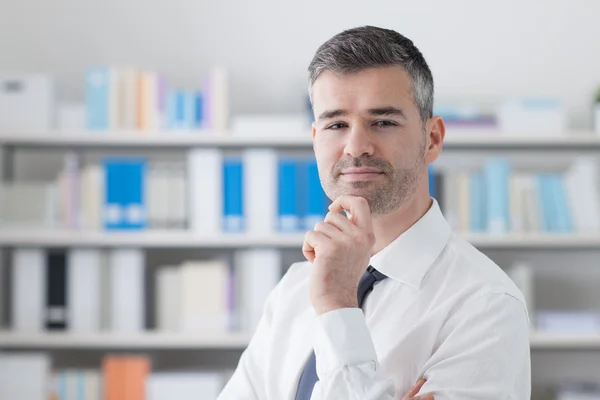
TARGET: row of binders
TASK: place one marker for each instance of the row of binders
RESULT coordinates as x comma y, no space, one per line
92,291
31,376
255,191
499,198
261,192
136,99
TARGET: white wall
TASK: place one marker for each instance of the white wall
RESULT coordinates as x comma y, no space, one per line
478,50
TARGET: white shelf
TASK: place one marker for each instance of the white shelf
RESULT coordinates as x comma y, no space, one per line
494,139
176,139
149,340
547,341
455,138
237,341
149,238
538,240
179,239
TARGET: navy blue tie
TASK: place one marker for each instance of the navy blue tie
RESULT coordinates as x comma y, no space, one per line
309,375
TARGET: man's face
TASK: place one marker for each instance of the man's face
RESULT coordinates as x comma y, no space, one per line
368,136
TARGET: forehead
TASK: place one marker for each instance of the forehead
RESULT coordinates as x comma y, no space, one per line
373,87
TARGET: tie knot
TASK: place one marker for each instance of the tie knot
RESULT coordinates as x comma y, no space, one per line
366,283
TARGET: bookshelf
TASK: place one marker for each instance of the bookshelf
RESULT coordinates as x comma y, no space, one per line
455,138
183,239
121,341
507,247
229,341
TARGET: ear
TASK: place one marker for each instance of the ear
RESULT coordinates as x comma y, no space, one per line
435,131
314,133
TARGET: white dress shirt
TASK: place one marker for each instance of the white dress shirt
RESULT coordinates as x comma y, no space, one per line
446,313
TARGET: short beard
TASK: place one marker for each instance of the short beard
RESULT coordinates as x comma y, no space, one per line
400,187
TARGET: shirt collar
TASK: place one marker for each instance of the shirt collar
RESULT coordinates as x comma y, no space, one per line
408,258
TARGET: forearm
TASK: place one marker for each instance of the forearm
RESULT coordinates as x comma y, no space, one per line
347,363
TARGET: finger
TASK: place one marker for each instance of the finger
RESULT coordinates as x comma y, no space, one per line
329,230
415,389
358,208
425,397
312,240
339,221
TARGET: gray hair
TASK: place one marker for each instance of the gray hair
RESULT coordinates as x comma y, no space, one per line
365,47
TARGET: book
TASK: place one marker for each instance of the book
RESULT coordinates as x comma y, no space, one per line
91,194
24,376
216,100
124,200
260,191
477,215
125,377
257,273
233,190
127,290
97,98
497,172
205,181
583,194
288,201
184,385
204,297
84,286
28,300
168,299
57,300
316,201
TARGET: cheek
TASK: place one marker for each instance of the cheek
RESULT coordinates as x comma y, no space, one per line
327,152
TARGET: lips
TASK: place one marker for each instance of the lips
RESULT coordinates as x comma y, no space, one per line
360,174
361,170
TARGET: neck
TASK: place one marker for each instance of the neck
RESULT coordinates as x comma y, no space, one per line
389,226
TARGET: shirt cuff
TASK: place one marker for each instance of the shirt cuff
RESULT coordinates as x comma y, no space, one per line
343,339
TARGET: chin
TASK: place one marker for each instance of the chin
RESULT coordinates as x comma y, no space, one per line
366,192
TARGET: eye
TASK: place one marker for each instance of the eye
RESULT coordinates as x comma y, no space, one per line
336,126
385,124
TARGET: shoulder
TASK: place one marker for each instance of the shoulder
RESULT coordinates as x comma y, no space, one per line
467,272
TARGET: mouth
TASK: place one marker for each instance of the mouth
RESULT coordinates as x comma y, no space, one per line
360,174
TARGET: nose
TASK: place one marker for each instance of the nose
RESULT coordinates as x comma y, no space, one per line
358,143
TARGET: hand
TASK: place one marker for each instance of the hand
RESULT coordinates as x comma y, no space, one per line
415,389
339,249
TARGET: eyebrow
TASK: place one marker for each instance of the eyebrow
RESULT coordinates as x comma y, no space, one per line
386,111
330,114
376,112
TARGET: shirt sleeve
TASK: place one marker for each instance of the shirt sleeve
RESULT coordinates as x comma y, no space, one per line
347,364
248,381
483,352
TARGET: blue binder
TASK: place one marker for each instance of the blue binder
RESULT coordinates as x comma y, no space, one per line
288,216
316,200
233,195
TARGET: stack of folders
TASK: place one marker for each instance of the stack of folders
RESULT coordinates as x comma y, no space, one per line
89,290
255,191
498,198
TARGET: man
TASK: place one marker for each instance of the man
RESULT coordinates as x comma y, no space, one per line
389,297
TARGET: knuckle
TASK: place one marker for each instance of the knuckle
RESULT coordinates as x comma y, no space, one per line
319,226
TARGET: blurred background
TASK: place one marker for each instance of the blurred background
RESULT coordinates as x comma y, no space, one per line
158,176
